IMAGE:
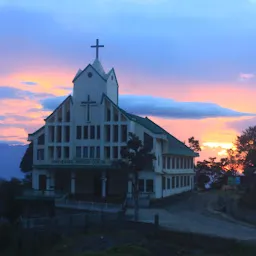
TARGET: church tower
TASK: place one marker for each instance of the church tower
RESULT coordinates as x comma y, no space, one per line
92,82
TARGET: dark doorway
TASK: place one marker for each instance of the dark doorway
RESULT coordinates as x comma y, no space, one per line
42,182
97,185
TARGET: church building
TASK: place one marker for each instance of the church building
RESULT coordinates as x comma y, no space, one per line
75,149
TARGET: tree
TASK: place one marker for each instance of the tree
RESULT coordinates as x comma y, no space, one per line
26,164
135,158
246,147
194,144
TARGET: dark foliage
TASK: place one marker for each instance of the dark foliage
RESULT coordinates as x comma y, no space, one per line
27,160
9,190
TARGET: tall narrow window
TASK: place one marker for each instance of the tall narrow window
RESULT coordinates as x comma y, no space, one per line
124,133
78,132
164,163
163,183
66,152
108,115
107,152
173,182
173,162
92,132
107,133
86,132
98,152
92,152
98,132
78,152
85,152
115,133
168,162
115,152
177,182
58,152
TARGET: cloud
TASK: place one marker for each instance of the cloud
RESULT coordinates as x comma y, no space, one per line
29,83
163,107
8,92
241,125
246,76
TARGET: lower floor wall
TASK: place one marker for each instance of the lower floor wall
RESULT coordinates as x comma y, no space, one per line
106,183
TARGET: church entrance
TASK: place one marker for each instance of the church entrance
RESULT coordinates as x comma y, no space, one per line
42,182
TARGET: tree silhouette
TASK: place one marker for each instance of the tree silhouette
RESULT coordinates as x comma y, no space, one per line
26,164
135,158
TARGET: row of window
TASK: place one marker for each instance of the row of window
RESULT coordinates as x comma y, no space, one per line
177,162
175,182
81,152
167,183
93,132
55,133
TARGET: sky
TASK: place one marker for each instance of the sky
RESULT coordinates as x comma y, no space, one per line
188,65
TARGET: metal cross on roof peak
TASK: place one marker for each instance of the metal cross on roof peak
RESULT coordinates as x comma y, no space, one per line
97,46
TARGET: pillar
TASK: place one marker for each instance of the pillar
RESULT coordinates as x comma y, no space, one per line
103,184
73,183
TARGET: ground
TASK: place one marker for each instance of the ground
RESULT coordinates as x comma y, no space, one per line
192,213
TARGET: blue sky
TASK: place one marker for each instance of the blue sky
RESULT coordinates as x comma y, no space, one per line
196,60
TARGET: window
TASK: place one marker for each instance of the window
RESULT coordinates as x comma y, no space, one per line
107,152
149,186
78,152
98,152
141,185
164,163
173,162
51,152
59,133
185,163
66,152
86,132
92,132
115,114
124,133
168,163
98,132
78,132
178,163
188,180
41,139
163,182
58,152
108,115
85,152
148,141
185,181
181,162
51,133
177,181
40,154
168,183
68,116
107,133
181,181
67,133
91,152
115,152
115,133
173,182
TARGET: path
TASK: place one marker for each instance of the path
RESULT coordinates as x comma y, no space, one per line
191,214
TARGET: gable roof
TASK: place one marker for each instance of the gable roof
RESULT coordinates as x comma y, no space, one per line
69,97
108,74
175,146
80,73
37,131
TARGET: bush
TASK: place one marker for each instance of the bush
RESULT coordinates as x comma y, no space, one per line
5,236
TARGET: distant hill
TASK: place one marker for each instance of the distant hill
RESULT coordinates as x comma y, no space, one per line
10,157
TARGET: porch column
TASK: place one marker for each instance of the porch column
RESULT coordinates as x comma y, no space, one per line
73,183
103,184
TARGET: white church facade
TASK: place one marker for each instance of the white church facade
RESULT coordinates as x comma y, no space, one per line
73,152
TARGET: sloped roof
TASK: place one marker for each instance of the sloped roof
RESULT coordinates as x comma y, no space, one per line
175,147
97,65
69,97
38,130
